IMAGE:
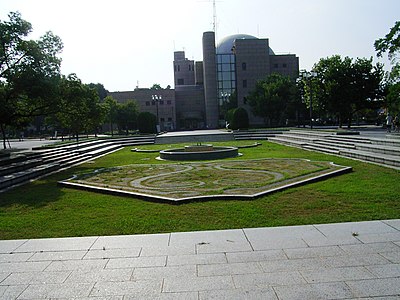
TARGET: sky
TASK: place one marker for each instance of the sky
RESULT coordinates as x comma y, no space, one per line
123,44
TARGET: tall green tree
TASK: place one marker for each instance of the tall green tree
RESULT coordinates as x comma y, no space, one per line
272,97
80,110
346,86
111,110
390,44
101,90
29,73
156,87
127,114
240,119
147,122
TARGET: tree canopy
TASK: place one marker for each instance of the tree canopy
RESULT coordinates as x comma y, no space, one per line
79,107
344,86
29,73
390,44
272,97
127,114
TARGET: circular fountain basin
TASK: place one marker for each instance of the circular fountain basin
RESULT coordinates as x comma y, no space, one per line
199,152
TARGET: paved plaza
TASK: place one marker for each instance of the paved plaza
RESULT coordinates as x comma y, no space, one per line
328,261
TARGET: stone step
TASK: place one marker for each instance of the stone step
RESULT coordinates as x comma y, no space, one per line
19,166
345,140
101,151
384,149
384,159
330,150
316,134
133,138
12,159
136,142
75,160
334,144
261,137
289,142
26,175
305,139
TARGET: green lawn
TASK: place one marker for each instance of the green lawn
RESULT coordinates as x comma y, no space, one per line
44,209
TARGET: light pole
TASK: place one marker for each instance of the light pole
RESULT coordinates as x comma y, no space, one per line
308,76
156,99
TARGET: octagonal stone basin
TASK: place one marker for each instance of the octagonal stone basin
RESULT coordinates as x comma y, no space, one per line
199,152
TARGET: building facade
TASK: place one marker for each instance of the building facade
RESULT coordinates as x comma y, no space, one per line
160,103
206,90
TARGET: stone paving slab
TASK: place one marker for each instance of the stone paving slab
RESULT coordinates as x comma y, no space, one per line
56,244
327,261
131,241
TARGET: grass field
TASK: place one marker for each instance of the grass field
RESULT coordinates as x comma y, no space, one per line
44,209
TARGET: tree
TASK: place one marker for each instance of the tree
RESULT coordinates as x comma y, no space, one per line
147,122
80,109
111,110
101,90
240,119
344,87
127,114
390,44
271,98
156,86
29,73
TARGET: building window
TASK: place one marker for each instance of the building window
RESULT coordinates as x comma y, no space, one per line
169,119
284,65
168,102
179,68
153,102
147,103
244,66
162,119
275,66
244,100
161,102
245,83
181,81
190,67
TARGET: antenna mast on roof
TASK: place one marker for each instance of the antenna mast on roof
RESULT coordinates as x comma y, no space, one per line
215,19
214,16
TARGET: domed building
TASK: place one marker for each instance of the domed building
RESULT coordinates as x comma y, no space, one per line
205,90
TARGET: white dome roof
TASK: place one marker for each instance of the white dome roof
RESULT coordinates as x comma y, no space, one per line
225,45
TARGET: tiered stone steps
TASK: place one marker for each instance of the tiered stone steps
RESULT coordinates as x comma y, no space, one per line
384,151
23,167
255,134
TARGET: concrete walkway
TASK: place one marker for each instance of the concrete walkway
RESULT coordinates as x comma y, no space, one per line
329,261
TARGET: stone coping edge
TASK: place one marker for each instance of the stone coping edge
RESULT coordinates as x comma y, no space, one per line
160,199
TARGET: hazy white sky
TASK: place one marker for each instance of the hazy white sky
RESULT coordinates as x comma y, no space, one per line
121,42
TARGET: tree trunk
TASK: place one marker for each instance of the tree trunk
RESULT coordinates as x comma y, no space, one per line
340,121
3,132
350,120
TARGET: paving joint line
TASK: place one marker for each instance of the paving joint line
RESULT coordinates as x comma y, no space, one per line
13,251
169,239
389,225
247,239
319,230
90,248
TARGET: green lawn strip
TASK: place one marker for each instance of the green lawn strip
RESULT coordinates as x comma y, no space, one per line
44,209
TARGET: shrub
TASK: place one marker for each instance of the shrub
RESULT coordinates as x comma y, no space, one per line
240,119
147,122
